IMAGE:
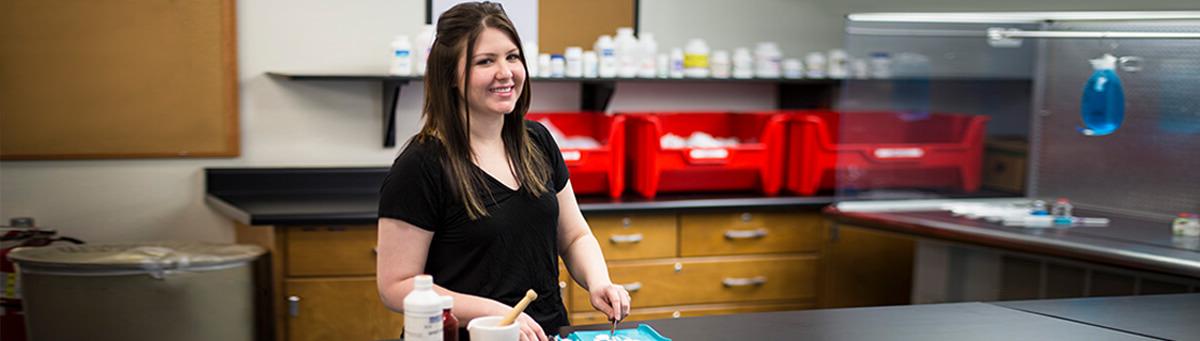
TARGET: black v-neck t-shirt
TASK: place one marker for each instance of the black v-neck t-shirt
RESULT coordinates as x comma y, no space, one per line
499,256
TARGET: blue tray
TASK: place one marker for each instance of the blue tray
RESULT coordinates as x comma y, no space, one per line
641,333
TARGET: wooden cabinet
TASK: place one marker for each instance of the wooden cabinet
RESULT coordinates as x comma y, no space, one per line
694,264
323,282
338,309
866,267
673,264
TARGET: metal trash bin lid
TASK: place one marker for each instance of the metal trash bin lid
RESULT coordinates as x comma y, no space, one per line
155,258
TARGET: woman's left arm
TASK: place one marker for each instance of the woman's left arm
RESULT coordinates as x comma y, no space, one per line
580,250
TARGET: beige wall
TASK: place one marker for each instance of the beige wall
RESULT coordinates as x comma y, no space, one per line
289,123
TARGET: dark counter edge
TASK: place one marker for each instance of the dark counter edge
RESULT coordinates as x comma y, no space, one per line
231,210
1017,242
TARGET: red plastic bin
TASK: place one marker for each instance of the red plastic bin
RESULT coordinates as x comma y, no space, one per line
861,150
756,163
593,170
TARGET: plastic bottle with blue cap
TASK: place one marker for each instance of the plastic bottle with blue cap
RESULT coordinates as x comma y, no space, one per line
1103,107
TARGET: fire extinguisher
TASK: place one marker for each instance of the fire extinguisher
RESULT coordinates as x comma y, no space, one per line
20,234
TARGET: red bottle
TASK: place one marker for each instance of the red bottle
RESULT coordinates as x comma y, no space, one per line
449,322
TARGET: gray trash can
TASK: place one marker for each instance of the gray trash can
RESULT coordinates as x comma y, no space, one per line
139,291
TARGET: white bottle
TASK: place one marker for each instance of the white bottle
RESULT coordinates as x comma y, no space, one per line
695,59
544,66
859,68
743,63
839,64
793,68
881,65
767,60
815,62
402,59
531,59
675,70
627,53
423,44
647,58
558,66
720,65
422,311
662,64
590,63
606,50
574,56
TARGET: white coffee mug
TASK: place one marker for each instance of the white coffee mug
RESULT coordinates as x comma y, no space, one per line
485,329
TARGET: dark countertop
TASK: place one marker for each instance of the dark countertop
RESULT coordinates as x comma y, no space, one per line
955,321
1128,242
305,196
1172,317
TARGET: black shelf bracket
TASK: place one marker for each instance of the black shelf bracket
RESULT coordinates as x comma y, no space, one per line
391,94
595,96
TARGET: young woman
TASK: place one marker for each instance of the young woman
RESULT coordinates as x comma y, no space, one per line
481,198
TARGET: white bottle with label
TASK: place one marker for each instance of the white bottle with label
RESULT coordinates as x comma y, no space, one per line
605,49
695,59
720,64
531,59
675,69
768,60
590,63
402,59
422,311
628,53
743,63
839,64
421,51
574,56
648,56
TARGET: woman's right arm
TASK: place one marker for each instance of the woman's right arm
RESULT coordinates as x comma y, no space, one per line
402,251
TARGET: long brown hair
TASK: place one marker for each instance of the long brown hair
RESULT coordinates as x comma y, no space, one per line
446,112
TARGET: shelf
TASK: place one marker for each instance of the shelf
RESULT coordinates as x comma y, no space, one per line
596,93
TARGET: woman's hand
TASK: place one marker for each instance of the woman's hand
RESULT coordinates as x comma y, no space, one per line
530,329
612,300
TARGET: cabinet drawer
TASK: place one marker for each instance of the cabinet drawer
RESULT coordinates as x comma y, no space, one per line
330,250
668,282
1004,172
642,314
634,236
711,234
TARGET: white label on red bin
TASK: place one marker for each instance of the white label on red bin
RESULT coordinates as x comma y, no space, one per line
899,153
571,155
708,153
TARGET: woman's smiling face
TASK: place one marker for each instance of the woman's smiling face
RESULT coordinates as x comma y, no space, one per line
497,74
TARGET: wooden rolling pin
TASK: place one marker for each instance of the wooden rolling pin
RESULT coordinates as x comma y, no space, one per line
516,311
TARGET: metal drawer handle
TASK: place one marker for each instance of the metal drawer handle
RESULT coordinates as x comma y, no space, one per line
294,306
746,234
625,238
632,287
730,282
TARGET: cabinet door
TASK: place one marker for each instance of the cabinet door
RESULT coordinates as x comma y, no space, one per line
331,250
339,309
868,268
635,236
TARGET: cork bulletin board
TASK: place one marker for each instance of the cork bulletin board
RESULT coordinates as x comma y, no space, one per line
563,23
559,23
85,79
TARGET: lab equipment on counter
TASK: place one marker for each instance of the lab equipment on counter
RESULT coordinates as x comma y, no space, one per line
558,66
590,64
768,59
881,65
839,64
1186,224
743,63
643,332
628,52
543,62
793,68
1103,107
449,322
606,50
815,63
1062,211
423,311
676,69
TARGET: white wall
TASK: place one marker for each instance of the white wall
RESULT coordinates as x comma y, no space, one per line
291,123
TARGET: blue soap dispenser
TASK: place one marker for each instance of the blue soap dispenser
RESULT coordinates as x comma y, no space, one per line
1103,106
